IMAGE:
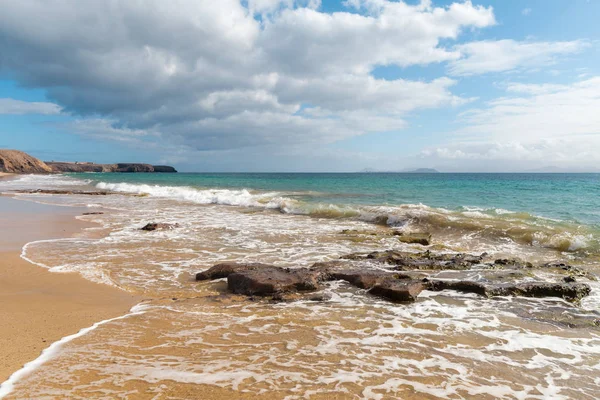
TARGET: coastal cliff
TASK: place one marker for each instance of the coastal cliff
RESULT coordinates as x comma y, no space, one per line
18,162
120,167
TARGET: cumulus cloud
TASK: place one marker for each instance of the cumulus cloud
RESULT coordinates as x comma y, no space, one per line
211,75
549,123
18,107
505,55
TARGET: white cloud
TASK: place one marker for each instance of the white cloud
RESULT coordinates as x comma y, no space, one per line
18,107
506,55
209,75
526,11
547,123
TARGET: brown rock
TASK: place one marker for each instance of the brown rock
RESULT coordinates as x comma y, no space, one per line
271,280
153,226
223,270
397,290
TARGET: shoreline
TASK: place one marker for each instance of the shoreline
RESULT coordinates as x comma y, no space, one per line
40,307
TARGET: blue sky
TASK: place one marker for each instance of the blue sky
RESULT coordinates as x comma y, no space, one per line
284,85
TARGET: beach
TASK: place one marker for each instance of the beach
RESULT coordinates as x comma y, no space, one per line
40,307
498,302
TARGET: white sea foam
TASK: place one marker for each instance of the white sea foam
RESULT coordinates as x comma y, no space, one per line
50,352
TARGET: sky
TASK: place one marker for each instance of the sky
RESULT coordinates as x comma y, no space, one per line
304,85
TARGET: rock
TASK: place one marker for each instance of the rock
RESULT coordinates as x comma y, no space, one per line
153,226
18,162
271,280
567,291
397,290
423,239
164,169
420,261
223,270
93,213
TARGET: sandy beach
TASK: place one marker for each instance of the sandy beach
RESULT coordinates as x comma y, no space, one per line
40,307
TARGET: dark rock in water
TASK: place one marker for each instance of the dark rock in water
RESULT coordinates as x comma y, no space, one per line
420,261
93,213
414,238
271,280
459,286
223,270
397,290
164,168
153,226
363,279
567,291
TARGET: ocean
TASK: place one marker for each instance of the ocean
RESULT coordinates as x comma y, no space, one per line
194,340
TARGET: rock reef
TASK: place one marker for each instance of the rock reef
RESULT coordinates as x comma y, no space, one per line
401,277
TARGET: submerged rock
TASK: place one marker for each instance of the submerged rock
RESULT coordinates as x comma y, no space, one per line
154,226
414,238
404,261
567,291
93,213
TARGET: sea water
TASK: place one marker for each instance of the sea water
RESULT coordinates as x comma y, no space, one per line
193,340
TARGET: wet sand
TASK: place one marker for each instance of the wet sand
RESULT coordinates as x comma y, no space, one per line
39,307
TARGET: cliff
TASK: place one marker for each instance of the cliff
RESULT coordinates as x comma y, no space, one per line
17,162
121,167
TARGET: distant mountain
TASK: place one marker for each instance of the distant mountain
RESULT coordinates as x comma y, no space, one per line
404,171
422,171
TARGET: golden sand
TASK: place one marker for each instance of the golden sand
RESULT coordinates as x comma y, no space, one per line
40,307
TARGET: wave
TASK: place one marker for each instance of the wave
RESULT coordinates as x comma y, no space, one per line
477,223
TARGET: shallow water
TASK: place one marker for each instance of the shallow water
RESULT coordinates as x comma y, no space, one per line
191,340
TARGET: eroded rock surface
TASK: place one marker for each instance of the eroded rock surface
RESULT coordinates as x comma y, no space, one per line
223,270
401,277
272,280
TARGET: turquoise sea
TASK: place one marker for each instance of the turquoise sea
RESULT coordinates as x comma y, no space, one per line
567,197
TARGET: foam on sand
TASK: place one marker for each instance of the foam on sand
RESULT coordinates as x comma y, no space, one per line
50,352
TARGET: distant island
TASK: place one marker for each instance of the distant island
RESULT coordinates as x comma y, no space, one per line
18,162
405,171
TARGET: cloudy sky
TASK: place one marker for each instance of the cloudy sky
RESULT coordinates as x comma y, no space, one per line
304,85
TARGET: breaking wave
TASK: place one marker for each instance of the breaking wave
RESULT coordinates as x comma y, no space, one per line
477,223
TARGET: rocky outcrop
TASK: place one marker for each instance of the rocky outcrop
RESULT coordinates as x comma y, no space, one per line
223,270
404,261
273,280
18,162
156,226
397,290
571,291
